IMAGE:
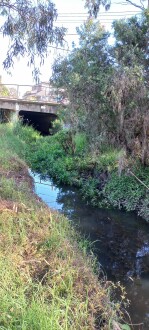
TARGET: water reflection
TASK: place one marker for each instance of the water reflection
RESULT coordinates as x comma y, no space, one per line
121,242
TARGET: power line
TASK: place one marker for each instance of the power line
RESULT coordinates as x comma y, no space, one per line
99,17
102,17
108,13
59,48
79,22
83,21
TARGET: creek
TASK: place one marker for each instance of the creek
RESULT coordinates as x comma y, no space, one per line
120,241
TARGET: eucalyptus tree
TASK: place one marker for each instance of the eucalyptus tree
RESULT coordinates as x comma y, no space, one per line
95,5
30,27
131,41
84,73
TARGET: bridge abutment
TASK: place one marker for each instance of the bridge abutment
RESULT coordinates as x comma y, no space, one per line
7,115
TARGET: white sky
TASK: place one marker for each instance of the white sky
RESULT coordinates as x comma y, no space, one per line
71,14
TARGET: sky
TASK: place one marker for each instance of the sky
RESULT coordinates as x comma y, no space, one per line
71,14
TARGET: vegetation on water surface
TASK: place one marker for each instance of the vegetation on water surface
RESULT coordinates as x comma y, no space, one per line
47,282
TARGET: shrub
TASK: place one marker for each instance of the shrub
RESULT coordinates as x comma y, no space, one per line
144,209
80,140
57,125
123,191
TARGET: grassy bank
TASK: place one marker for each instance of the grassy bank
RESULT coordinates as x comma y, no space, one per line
46,279
104,177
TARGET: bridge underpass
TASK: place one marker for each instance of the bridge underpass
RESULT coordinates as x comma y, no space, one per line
37,105
41,121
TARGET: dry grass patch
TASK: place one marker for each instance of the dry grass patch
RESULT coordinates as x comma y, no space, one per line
7,205
16,169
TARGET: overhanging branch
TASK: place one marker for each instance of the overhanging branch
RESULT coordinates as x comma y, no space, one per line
135,4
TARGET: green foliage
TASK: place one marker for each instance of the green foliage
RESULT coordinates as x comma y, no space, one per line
108,86
84,75
26,133
94,6
56,126
69,163
4,91
30,28
109,159
66,139
90,191
81,146
65,157
131,38
123,191
7,189
144,209
8,143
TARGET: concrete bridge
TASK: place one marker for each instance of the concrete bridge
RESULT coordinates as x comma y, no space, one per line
18,105
37,105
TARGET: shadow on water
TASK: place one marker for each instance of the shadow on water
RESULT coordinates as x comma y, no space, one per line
121,242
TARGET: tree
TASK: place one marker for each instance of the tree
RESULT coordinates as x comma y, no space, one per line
129,85
128,96
84,74
30,28
94,5
108,86
131,43
4,92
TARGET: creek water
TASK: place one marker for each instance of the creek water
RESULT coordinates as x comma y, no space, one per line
120,240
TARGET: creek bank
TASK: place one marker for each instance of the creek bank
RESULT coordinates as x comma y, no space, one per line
47,281
104,179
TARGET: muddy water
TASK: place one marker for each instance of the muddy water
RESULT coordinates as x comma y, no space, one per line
121,242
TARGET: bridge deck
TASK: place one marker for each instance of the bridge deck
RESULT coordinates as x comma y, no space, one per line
35,102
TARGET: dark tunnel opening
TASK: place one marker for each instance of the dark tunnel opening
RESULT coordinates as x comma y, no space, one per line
42,122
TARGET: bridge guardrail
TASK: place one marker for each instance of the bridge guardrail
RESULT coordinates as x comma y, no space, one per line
40,92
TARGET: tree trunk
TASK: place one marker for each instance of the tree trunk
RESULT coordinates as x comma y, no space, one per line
145,141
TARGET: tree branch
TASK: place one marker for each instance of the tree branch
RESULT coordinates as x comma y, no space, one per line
136,5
